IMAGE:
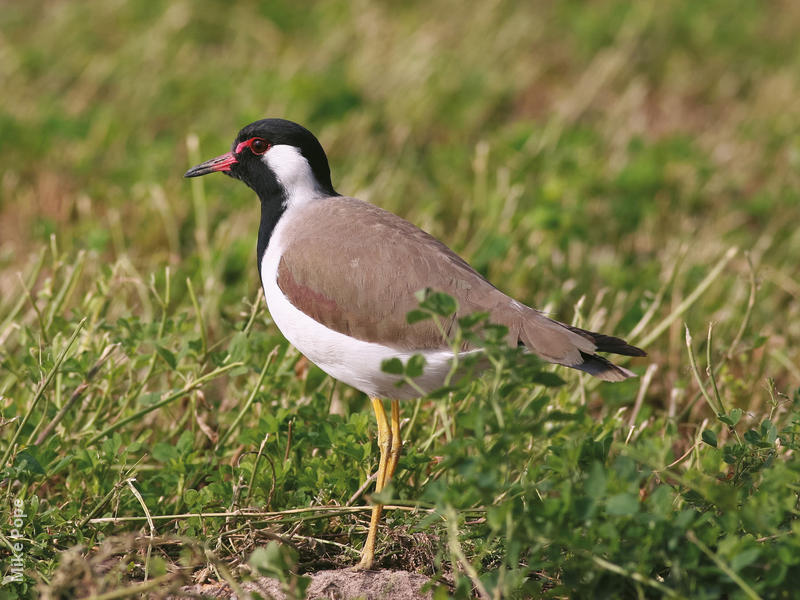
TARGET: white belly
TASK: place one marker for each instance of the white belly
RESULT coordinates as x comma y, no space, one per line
354,362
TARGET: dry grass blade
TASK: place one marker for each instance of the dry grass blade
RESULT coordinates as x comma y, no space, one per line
689,300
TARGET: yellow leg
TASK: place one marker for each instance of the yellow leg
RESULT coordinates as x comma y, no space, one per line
384,441
385,445
397,441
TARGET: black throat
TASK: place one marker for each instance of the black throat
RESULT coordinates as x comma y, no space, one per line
271,212
273,204
272,209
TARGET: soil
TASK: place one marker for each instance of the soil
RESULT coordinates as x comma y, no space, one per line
338,584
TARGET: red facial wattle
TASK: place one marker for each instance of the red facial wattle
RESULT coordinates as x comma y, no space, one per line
257,146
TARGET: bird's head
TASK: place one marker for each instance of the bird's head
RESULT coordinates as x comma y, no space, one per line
278,159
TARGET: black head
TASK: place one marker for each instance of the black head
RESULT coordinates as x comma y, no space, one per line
276,158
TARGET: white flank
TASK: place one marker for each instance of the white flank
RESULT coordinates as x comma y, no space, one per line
293,173
354,362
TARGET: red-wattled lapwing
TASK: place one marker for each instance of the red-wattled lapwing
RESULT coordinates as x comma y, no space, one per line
340,275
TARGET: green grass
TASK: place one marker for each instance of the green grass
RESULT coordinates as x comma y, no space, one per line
626,166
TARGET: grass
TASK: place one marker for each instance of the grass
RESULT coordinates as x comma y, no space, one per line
630,167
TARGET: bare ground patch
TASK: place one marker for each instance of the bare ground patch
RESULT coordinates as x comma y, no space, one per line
337,584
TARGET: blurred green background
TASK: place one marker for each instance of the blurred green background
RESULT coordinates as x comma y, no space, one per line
564,148
593,159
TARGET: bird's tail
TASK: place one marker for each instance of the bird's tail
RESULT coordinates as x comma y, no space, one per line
573,347
602,367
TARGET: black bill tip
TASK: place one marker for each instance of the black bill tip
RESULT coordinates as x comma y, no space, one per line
220,163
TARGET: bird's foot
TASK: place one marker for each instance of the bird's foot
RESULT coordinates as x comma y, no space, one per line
365,564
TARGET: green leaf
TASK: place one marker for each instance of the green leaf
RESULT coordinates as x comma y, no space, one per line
279,562
744,558
495,334
168,356
275,560
149,398
192,498
752,436
185,442
768,431
622,505
732,418
709,437
442,392
442,592
393,366
420,295
27,462
416,315
595,485
548,379
415,366
469,321
195,345
239,347
163,452
439,303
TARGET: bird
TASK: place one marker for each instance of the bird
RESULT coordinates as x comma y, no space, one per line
340,276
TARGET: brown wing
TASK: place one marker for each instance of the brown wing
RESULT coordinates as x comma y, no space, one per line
364,285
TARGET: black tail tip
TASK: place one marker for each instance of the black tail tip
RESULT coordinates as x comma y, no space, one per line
604,369
609,343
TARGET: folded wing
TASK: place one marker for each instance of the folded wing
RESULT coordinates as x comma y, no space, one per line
364,286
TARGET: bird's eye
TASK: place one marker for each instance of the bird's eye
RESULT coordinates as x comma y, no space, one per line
259,146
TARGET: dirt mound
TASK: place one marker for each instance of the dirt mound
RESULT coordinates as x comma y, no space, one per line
340,584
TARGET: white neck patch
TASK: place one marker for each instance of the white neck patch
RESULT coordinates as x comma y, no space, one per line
293,173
